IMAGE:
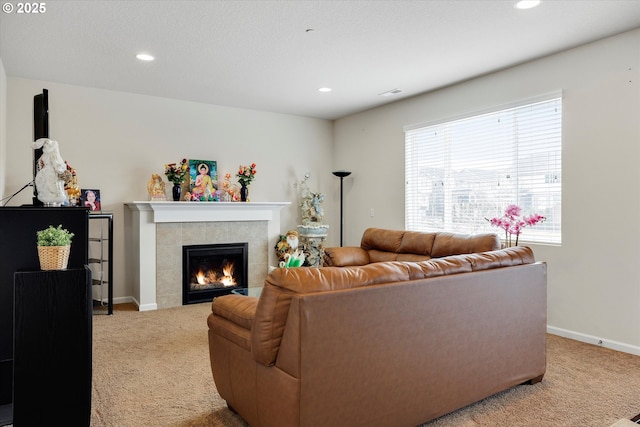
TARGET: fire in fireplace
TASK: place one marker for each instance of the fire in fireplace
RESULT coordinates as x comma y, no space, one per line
213,270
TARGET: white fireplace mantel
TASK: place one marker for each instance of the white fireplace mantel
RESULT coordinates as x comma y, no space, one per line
146,214
210,211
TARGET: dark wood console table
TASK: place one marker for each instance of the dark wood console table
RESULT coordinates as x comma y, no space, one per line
18,251
52,348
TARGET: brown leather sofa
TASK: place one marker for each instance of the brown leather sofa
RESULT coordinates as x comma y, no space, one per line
395,343
378,245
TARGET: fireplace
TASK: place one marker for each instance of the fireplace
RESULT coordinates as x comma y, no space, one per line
213,270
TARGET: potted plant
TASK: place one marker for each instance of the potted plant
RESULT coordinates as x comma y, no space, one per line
54,246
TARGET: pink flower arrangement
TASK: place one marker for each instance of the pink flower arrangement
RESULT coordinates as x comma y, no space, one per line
513,223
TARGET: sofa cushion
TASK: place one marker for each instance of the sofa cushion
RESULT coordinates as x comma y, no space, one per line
396,245
446,244
381,239
414,242
412,257
382,256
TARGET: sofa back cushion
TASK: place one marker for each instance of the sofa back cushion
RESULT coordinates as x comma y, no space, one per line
446,244
399,245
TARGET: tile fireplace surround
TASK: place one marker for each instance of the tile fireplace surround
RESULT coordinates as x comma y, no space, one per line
158,230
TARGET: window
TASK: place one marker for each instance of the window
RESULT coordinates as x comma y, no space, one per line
461,171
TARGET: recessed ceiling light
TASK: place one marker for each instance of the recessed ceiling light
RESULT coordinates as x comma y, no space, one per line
325,89
527,4
145,57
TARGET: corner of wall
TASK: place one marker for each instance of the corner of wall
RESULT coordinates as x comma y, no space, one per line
3,128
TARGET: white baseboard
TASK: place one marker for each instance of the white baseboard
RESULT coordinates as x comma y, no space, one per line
590,339
145,307
123,300
119,300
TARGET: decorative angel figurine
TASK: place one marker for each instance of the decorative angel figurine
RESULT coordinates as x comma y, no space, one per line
310,203
51,173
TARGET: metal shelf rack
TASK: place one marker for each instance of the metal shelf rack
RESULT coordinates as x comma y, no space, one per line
100,256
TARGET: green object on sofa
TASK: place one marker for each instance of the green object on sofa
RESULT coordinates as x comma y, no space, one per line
386,343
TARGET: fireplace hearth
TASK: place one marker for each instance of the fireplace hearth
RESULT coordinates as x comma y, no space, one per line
213,270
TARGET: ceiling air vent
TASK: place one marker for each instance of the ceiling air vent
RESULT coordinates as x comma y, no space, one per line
390,92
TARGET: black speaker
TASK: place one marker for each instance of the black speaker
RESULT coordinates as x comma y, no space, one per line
40,130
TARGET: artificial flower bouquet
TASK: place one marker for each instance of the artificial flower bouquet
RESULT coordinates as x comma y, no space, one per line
177,172
512,222
246,174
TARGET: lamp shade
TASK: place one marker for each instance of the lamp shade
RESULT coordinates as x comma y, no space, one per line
341,174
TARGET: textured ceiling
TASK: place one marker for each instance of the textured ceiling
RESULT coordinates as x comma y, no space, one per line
274,55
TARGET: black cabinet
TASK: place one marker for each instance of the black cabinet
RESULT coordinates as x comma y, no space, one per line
18,252
52,348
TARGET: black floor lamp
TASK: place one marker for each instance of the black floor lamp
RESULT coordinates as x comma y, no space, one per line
341,174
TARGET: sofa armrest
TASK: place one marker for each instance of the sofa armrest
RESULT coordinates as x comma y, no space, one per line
238,309
232,317
345,256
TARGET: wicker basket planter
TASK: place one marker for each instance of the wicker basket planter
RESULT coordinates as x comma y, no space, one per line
54,257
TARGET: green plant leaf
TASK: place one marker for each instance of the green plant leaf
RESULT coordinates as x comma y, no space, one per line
52,236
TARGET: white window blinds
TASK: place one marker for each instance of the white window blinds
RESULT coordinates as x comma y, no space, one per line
462,171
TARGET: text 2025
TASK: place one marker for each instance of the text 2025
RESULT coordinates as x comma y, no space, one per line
31,7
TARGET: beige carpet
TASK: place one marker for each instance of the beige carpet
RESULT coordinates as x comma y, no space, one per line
152,369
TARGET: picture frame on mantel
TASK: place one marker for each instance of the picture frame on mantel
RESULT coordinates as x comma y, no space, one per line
203,178
90,197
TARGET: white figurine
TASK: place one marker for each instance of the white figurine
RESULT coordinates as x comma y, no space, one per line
292,240
51,173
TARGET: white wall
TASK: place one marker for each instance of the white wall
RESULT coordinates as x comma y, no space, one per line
594,279
116,141
3,127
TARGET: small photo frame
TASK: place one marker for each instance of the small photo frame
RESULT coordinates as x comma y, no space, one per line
203,178
91,199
